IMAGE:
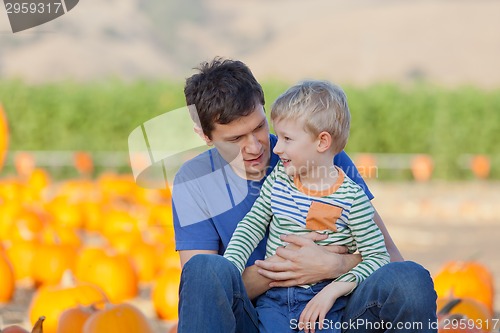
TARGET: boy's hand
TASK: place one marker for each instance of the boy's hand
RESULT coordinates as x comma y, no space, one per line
316,310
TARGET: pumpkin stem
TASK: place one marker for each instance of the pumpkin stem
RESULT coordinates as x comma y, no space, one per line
449,306
38,328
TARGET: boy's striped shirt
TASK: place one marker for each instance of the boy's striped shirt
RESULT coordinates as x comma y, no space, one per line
286,208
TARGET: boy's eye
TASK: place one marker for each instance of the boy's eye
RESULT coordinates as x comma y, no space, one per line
236,139
286,138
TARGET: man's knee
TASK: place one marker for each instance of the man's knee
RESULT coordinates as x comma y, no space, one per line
202,266
409,279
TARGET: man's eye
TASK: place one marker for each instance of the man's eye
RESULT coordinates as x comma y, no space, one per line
236,139
259,127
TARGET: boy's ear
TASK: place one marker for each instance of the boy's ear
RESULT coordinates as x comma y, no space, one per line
197,129
324,142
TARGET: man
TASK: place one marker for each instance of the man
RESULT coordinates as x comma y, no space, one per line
213,191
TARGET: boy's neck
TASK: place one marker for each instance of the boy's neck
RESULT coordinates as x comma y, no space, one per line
321,176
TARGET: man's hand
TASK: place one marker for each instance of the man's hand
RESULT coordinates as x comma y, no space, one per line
302,261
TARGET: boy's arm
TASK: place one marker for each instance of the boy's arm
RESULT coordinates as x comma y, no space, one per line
369,240
252,229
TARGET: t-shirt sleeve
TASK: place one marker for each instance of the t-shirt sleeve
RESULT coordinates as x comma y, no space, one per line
193,226
343,161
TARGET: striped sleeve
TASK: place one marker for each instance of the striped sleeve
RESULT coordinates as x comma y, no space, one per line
252,229
369,240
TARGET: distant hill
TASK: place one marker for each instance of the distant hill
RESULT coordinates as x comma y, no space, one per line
449,42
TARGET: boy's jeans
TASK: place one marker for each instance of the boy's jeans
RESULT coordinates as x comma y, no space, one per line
279,310
399,297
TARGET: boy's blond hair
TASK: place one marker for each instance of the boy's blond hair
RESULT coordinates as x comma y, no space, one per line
322,105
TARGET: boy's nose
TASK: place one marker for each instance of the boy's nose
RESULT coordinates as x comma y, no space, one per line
277,148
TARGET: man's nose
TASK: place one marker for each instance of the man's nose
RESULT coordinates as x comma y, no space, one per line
253,145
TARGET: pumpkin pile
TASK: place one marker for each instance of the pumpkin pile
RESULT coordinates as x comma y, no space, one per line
465,301
108,237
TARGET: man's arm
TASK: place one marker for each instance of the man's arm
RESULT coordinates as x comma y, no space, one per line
185,255
389,243
304,262
255,283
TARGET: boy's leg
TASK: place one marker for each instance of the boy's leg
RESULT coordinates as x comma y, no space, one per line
398,297
332,321
212,298
273,311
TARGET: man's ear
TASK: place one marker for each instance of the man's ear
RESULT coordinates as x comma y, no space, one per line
324,142
197,129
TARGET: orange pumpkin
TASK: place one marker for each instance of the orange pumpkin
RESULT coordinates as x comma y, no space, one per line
480,166
4,136
7,280
72,320
25,227
37,182
146,260
422,167
366,165
83,163
21,255
120,221
92,215
466,279
115,275
25,164
165,294
65,213
85,260
462,315
50,262
57,235
51,301
118,318
10,210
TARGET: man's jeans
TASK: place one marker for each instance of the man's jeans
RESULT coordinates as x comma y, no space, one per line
399,297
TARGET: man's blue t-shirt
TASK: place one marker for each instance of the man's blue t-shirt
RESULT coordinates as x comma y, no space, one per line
209,200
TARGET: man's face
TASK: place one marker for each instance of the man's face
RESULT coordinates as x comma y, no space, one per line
244,143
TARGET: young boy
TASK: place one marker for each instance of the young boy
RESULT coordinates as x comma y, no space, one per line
307,192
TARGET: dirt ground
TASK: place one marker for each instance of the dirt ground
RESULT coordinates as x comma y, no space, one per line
438,222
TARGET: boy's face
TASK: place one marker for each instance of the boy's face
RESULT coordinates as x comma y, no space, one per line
244,143
295,147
